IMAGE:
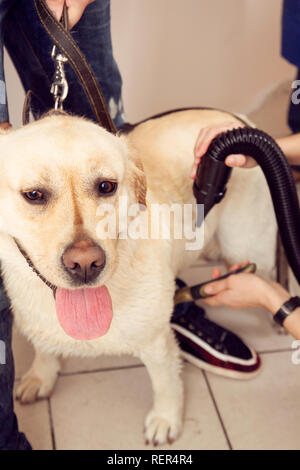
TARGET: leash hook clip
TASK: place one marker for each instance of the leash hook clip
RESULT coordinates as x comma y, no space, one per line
59,87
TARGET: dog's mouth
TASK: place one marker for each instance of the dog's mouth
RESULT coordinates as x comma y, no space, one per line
84,313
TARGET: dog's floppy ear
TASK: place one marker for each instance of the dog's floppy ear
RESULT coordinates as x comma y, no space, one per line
137,178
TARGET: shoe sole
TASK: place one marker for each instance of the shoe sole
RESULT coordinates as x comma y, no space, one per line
229,373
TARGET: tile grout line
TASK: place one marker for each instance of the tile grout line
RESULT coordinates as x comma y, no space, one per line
217,410
94,371
272,351
51,424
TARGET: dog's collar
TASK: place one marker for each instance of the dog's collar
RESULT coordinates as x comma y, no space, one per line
34,269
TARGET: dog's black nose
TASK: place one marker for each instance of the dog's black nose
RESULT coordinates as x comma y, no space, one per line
84,261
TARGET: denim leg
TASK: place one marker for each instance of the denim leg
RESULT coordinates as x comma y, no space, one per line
93,36
30,47
10,437
5,5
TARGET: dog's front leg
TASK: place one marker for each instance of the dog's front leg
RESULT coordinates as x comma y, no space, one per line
164,421
39,380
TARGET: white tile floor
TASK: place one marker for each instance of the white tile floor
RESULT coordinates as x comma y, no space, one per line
101,403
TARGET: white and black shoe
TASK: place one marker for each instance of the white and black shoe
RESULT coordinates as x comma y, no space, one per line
210,346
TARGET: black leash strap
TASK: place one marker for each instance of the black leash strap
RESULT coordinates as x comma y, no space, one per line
64,41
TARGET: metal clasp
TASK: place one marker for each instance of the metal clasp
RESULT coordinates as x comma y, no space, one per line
59,87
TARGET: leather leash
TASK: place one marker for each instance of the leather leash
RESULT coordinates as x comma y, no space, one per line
64,41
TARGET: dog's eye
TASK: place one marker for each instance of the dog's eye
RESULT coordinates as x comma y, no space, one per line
107,187
34,196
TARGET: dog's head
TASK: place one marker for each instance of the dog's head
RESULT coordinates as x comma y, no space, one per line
57,175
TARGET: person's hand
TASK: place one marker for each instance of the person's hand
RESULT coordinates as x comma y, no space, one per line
75,9
245,290
206,135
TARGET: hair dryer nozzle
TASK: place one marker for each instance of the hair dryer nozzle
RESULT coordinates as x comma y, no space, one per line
210,183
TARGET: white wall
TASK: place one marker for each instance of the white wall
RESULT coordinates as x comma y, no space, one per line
174,53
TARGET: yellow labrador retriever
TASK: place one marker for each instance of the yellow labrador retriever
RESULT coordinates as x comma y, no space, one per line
75,292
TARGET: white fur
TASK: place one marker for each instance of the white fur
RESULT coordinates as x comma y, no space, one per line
140,273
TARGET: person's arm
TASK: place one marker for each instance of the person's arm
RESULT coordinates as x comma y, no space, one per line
249,290
290,146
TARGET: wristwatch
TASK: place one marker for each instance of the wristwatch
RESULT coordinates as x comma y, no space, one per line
286,309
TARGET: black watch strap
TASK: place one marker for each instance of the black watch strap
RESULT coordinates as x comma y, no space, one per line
286,309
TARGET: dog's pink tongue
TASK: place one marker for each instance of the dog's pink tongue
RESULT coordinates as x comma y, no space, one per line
84,313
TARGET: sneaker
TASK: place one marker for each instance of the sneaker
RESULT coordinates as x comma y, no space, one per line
210,346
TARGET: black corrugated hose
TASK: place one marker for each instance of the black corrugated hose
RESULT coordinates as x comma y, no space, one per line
212,176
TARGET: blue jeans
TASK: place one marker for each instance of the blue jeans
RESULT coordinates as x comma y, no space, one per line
10,437
30,47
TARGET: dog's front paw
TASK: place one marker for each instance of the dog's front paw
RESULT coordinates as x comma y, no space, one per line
162,428
32,387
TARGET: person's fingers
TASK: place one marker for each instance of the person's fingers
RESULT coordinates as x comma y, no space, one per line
244,263
194,169
203,141
238,265
216,273
236,160
219,299
76,9
198,140
193,173
216,287
209,135
212,301
56,7
233,267
240,161
75,13
196,155
205,136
